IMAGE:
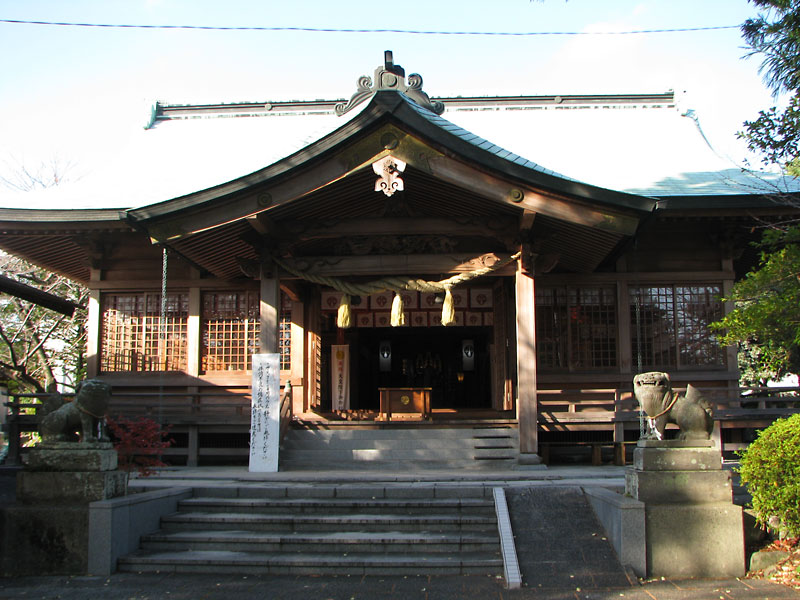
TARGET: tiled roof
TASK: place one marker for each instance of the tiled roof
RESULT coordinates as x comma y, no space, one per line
641,145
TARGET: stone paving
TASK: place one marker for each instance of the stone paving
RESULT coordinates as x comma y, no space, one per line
211,587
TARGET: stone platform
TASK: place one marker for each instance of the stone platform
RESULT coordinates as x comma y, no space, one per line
46,530
692,527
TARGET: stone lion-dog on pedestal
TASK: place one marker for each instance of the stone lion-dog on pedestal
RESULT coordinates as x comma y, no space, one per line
84,415
692,412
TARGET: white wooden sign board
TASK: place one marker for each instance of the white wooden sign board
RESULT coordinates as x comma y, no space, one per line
265,412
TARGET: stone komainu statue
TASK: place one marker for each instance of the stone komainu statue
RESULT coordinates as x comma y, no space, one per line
692,412
83,416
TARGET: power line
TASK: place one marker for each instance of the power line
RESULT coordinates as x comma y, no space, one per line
335,30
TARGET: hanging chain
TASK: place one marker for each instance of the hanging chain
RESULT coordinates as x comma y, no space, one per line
162,334
638,310
162,321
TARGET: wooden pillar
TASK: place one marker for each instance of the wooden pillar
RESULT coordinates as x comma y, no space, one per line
313,350
270,309
193,333
731,357
299,404
93,325
627,363
527,409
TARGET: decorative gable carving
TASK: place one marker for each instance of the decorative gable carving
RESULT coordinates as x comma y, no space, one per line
390,77
388,170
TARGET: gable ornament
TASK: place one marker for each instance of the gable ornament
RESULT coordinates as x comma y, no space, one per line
388,170
390,76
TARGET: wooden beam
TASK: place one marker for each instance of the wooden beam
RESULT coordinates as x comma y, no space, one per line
407,264
152,284
304,230
550,204
265,226
37,296
526,220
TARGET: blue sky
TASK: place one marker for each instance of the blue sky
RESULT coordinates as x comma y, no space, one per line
75,92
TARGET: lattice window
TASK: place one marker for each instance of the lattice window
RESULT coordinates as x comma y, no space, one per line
134,338
231,325
576,328
669,326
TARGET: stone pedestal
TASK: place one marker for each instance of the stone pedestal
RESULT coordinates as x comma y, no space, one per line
46,532
692,527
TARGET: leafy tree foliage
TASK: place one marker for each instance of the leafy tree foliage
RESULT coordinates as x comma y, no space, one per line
765,321
38,346
775,36
775,135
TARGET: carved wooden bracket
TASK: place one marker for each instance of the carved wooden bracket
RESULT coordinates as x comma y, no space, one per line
388,170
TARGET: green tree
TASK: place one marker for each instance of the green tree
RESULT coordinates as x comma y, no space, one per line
39,347
765,321
774,36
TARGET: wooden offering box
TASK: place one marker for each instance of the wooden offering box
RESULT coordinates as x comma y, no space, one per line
405,403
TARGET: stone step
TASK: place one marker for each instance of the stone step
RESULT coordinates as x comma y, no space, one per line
304,464
400,449
277,523
328,528
331,542
311,564
372,454
334,443
330,506
431,433
366,491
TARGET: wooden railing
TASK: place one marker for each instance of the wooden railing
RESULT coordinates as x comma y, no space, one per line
286,409
613,410
616,410
179,405
203,406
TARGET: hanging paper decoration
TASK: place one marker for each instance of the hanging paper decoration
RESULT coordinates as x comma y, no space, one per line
344,316
448,309
398,315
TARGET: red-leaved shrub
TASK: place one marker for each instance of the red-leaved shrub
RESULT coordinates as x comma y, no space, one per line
139,443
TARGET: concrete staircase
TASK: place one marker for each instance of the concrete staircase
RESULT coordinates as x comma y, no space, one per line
400,448
352,529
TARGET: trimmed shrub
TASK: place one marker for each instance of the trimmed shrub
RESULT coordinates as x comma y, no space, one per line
770,467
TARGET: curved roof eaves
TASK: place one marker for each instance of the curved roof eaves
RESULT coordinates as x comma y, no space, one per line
532,172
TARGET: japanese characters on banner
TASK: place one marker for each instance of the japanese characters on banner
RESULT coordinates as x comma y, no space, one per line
265,413
340,377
